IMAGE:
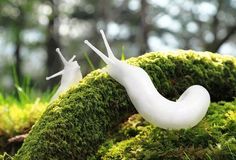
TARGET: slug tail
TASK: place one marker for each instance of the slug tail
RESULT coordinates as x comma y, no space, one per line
99,53
109,51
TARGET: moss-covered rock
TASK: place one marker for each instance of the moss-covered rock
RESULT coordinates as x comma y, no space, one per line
213,138
76,124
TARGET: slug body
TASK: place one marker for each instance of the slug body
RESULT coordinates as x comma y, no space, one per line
186,112
71,75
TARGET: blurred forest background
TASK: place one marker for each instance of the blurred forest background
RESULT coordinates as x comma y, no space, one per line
31,30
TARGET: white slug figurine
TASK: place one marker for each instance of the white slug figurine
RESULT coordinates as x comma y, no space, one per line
186,112
71,74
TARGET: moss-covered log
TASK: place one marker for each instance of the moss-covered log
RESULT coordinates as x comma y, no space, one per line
73,126
213,138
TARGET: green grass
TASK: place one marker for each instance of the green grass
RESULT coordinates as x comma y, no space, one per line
89,61
17,116
18,113
123,57
20,109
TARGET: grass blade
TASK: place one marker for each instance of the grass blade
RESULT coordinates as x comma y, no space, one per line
89,61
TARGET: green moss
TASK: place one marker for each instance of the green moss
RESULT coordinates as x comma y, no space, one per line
73,126
213,137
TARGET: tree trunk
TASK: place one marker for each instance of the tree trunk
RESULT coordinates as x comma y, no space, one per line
53,62
18,27
144,27
17,57
217,43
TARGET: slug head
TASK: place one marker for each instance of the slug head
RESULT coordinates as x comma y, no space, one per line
71,74
117,69
69,66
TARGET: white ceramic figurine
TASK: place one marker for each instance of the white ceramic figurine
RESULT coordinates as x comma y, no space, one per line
71,74
186,112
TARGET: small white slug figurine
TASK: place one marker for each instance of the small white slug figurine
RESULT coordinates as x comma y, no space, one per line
186,112
71,74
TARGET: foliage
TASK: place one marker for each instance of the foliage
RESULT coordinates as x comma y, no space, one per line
90,63
213,138
19,112
15,119
32,29
73,126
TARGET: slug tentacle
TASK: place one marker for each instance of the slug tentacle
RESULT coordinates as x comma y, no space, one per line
55,75
64,61
99,53
72,59
186,112
109,51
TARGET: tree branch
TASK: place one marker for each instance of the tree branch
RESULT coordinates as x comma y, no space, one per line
18,138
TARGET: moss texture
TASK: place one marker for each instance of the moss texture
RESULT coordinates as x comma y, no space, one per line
213,138
76,124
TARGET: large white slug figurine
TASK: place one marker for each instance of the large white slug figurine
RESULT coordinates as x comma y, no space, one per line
71,74
186,112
